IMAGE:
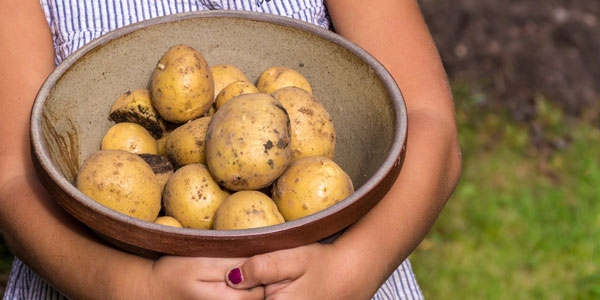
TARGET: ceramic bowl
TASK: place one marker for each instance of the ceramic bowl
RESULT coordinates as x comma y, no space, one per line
69,118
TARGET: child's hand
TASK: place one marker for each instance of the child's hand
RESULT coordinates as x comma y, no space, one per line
316,271
172,277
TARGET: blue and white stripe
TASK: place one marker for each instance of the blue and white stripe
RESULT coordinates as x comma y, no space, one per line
73,23
24,284
401,285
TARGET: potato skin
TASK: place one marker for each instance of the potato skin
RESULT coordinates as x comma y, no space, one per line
161,166
235,88
247,209
192,197
162,143
121,181
248,142
276,77
130,137
225,74
311,127
135,106
182,85
309,185
168,221
185,144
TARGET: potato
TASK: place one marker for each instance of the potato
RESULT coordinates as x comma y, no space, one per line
311,127
211,111
248,142
130,137
161,166
309,185
162,143
185,144
136,107
182,85
168,221
274,78
121,181
192,196
225,74
236,88
247,209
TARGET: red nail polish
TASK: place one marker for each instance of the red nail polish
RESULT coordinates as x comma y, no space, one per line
235,276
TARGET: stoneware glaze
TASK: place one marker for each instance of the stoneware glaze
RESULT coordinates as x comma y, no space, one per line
70,116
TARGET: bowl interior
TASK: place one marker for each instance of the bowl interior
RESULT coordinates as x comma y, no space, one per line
70,116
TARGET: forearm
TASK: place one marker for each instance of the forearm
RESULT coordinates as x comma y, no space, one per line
394,32
35,228
398,223
58,247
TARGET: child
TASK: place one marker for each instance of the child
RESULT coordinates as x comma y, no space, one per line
369,260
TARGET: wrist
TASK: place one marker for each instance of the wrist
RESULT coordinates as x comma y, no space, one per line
127,276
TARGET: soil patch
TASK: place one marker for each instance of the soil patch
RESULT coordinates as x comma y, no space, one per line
517,50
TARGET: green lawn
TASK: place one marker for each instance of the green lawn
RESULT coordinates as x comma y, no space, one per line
524,222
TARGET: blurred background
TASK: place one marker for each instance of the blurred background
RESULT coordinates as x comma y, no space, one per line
524,222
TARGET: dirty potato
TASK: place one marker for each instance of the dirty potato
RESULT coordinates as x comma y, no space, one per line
311,126
161,166
182,86
130,137
309,185
236,88
135,106
225,74
247,209
248,142
122,181
185,144
168,221
274,78
192,197
162,143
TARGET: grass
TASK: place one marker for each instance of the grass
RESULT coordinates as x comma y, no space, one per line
524,222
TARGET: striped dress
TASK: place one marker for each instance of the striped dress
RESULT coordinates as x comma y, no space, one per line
74,23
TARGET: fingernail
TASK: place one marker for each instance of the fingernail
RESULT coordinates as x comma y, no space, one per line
235,276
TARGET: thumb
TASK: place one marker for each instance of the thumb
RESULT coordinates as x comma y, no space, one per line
265,269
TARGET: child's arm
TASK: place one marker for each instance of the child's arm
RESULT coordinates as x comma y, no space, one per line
37,230
358,262
395,33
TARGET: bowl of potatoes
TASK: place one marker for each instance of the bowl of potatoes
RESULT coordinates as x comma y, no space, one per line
218,133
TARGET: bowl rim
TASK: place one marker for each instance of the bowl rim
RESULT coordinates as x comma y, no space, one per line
392,160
